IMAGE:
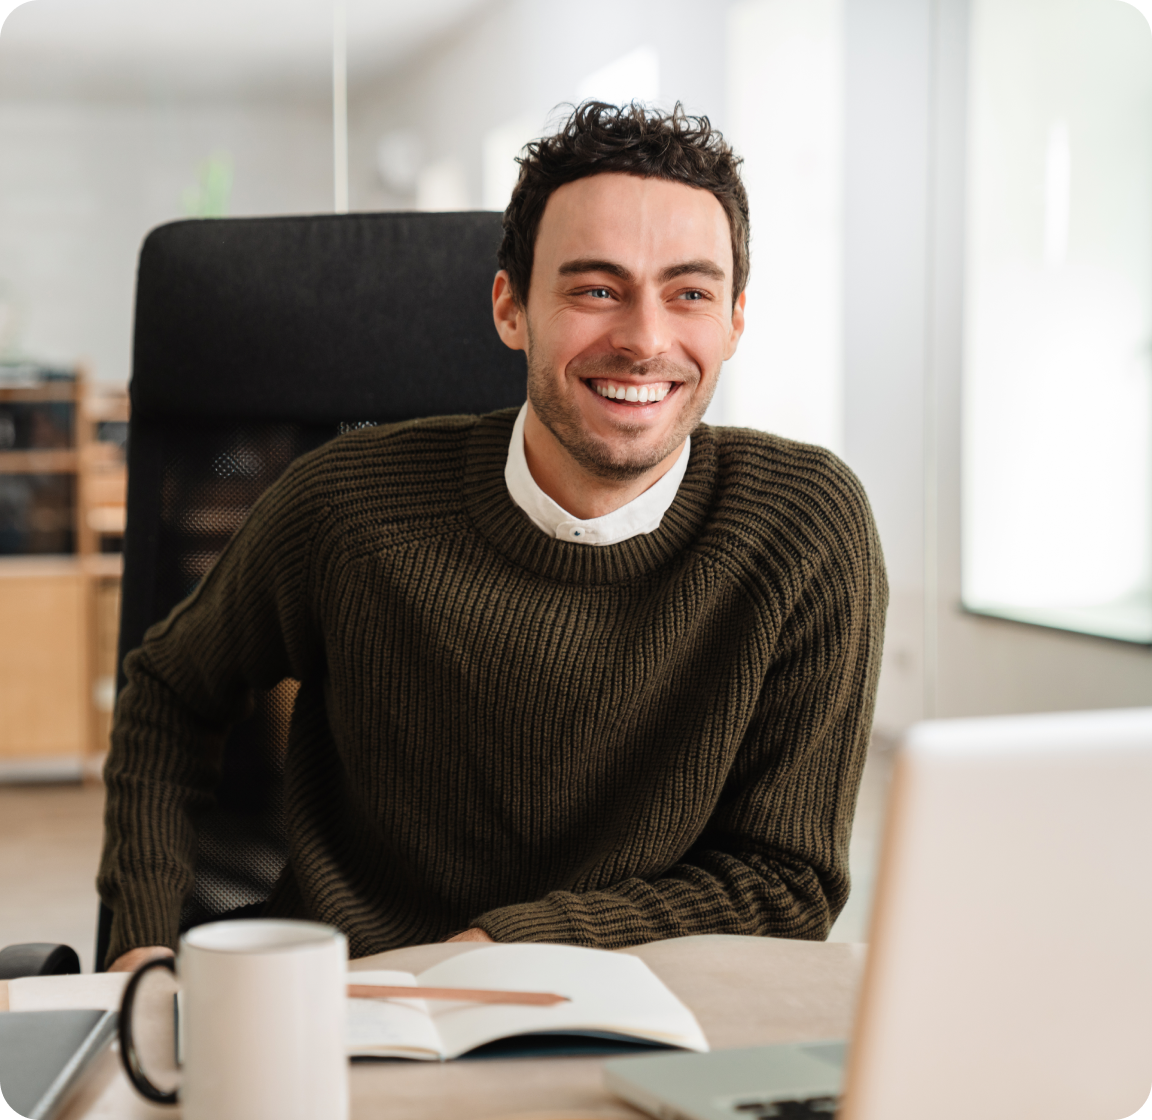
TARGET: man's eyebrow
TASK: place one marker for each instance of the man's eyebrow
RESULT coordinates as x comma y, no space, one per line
686,268
593,264
694,268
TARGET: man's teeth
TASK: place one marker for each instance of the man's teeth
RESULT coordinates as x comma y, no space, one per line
642,394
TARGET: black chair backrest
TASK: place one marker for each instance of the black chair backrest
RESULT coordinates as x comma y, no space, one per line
256,340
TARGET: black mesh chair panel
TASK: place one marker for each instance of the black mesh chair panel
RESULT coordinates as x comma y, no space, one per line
258,340
211,475
240,840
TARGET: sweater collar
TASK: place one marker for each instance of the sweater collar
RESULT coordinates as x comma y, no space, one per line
497,518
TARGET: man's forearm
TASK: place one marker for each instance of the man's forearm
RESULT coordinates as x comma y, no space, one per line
158,775
716,893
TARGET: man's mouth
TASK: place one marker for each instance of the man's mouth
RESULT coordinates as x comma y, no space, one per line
651,392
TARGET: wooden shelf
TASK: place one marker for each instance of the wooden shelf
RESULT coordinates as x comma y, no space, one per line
102,565
21,567
48,392
57,681
39,461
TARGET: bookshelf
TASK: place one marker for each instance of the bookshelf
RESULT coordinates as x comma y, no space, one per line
60,580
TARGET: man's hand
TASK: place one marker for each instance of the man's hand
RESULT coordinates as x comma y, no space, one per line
134,958
467,935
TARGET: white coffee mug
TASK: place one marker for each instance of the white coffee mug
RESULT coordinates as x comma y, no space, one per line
262,1028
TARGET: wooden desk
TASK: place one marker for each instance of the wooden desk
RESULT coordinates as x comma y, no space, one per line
745,991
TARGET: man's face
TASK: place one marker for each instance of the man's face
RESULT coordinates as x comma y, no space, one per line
628,318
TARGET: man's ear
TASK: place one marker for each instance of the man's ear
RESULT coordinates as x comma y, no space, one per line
510,318
737,325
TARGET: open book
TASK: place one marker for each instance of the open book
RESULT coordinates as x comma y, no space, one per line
612,995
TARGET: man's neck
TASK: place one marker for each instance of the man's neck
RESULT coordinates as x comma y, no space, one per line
574,488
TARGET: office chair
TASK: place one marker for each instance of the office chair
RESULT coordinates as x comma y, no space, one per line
256,340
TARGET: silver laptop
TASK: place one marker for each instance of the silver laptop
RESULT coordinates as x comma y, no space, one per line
1009,971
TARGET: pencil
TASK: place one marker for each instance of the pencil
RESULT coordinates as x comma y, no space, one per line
464,995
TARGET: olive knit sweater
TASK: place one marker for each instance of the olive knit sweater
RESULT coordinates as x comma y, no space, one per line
550,741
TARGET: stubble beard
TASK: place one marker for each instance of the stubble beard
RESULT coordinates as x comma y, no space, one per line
595,455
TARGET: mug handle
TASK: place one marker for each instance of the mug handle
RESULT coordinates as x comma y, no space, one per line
128,1054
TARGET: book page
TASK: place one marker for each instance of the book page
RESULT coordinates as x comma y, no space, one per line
98,991
612,993
390,1028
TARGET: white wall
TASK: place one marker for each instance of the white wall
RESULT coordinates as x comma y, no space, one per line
83,180
785,102
515,61
886,256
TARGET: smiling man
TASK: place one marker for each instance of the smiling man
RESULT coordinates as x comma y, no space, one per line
590,671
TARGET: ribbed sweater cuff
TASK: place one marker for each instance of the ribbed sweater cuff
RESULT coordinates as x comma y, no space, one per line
141,918
543,920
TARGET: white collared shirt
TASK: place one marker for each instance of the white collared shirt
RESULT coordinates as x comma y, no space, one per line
641,515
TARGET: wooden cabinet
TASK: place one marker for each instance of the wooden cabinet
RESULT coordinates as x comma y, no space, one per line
59,614
43,717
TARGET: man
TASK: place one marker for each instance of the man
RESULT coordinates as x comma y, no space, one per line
592,672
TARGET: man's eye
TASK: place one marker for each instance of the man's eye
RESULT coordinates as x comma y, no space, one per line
599,293
693,294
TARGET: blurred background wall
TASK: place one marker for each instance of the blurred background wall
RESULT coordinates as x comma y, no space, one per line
853,114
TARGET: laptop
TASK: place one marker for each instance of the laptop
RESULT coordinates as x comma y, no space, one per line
1009,972
45,1056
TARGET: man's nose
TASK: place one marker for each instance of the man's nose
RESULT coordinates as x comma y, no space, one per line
641,329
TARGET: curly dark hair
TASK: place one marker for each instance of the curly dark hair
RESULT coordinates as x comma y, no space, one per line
599,137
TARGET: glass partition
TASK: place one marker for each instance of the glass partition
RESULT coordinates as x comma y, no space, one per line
1057,445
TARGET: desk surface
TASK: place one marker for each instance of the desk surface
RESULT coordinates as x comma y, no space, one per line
745,991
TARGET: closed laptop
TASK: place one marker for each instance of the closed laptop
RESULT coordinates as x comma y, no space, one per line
1009,972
